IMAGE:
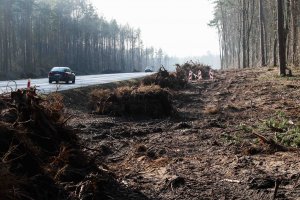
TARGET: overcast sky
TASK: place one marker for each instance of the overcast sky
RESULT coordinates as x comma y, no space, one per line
179,27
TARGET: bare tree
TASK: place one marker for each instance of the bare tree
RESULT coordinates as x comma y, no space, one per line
281,37
262,37
257,32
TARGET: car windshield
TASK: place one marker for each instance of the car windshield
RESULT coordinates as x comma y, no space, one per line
60,69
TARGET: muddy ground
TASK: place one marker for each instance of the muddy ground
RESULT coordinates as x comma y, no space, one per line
209,149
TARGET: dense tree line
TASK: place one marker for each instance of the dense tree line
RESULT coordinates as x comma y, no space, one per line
38,34
251,32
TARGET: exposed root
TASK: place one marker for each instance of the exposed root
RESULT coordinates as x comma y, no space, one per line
274,146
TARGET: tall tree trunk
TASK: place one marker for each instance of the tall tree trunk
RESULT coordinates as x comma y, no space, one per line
275,52
262,42
244,48
281,37
224,38
287,33
294,6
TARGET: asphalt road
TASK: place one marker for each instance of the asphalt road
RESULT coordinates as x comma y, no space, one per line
44,86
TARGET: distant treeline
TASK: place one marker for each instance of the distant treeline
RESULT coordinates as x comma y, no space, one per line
248,32
38,34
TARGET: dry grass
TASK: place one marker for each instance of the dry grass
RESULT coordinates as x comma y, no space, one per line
148,89
124,90
53,106
100,93
97,95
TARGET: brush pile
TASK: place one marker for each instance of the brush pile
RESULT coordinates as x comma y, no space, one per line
41,158
148,101
183,70
178,79
166,80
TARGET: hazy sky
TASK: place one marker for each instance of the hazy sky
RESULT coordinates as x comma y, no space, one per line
179,27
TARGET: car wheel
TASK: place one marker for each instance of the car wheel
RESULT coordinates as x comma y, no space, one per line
73,81
50,81
67,81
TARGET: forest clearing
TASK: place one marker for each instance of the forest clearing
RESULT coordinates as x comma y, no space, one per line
234,137
186,131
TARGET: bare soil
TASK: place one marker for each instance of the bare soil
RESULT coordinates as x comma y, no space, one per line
209,150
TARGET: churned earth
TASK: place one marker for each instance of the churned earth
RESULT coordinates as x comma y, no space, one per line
234,137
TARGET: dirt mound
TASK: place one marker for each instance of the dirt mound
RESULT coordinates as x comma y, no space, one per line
149,101
42,158
166,80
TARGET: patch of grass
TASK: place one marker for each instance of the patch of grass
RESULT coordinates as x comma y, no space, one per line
279,123
246,128
237,137
286,132
233,139
290,137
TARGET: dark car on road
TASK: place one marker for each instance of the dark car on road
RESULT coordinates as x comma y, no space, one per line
58,74
149,69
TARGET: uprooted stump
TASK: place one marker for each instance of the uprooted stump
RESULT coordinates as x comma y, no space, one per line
149,101
166,80
32,133
40,157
